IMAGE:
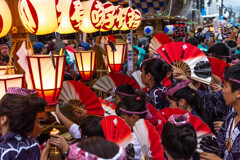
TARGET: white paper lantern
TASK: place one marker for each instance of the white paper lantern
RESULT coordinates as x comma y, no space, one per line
39,16
129,21
110,16
169,29
148,30
119,21
94,16
71,16
137,19
5,18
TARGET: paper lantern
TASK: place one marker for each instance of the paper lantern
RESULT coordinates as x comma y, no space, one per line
181,32
71,16
137,19
119,21
116,58
185,29
5,18
10,80
110,16
176,31
129,21
148,30
94,16
169,30
39,17
85,63
46,79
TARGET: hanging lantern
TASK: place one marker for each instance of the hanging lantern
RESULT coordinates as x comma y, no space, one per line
110,16
94,16
71,17
138,19
47,75
148,30
176,31
119,21
85,63
5,18
116,58
129,20
169,30
10,80
39,17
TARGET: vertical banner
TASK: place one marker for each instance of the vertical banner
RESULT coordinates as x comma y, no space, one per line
130,49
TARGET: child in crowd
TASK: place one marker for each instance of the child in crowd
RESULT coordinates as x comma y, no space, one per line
153,72
18,110
181,96
95,148
179,139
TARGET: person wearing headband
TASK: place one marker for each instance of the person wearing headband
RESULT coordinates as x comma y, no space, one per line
179,139
213,101
18,110
131,109
123,91
153,72
219,51
228,137
181,96
96,148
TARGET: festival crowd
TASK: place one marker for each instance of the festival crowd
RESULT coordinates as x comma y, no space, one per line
185,118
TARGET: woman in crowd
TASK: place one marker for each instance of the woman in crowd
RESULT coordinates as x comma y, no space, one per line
18,110
181,96
153,72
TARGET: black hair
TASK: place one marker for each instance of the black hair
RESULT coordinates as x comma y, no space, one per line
91,126
21,111
135,50
99,147
134,103
218,50
67,77
180,142
234,73
157,68
192,98
194,41
125,88
232,45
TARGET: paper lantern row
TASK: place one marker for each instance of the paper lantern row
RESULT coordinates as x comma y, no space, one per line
69,16
177,30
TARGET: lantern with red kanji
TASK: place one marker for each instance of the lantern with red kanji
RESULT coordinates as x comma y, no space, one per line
39,17
47,75
11,80
129,21
116,58
5,18
94,16
110,16
137,19
85,63
71,17
120,13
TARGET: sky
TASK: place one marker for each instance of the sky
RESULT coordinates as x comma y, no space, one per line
234,3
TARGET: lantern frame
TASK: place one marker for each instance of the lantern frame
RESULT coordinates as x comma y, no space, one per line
44,93
9,77
113,68
80,64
